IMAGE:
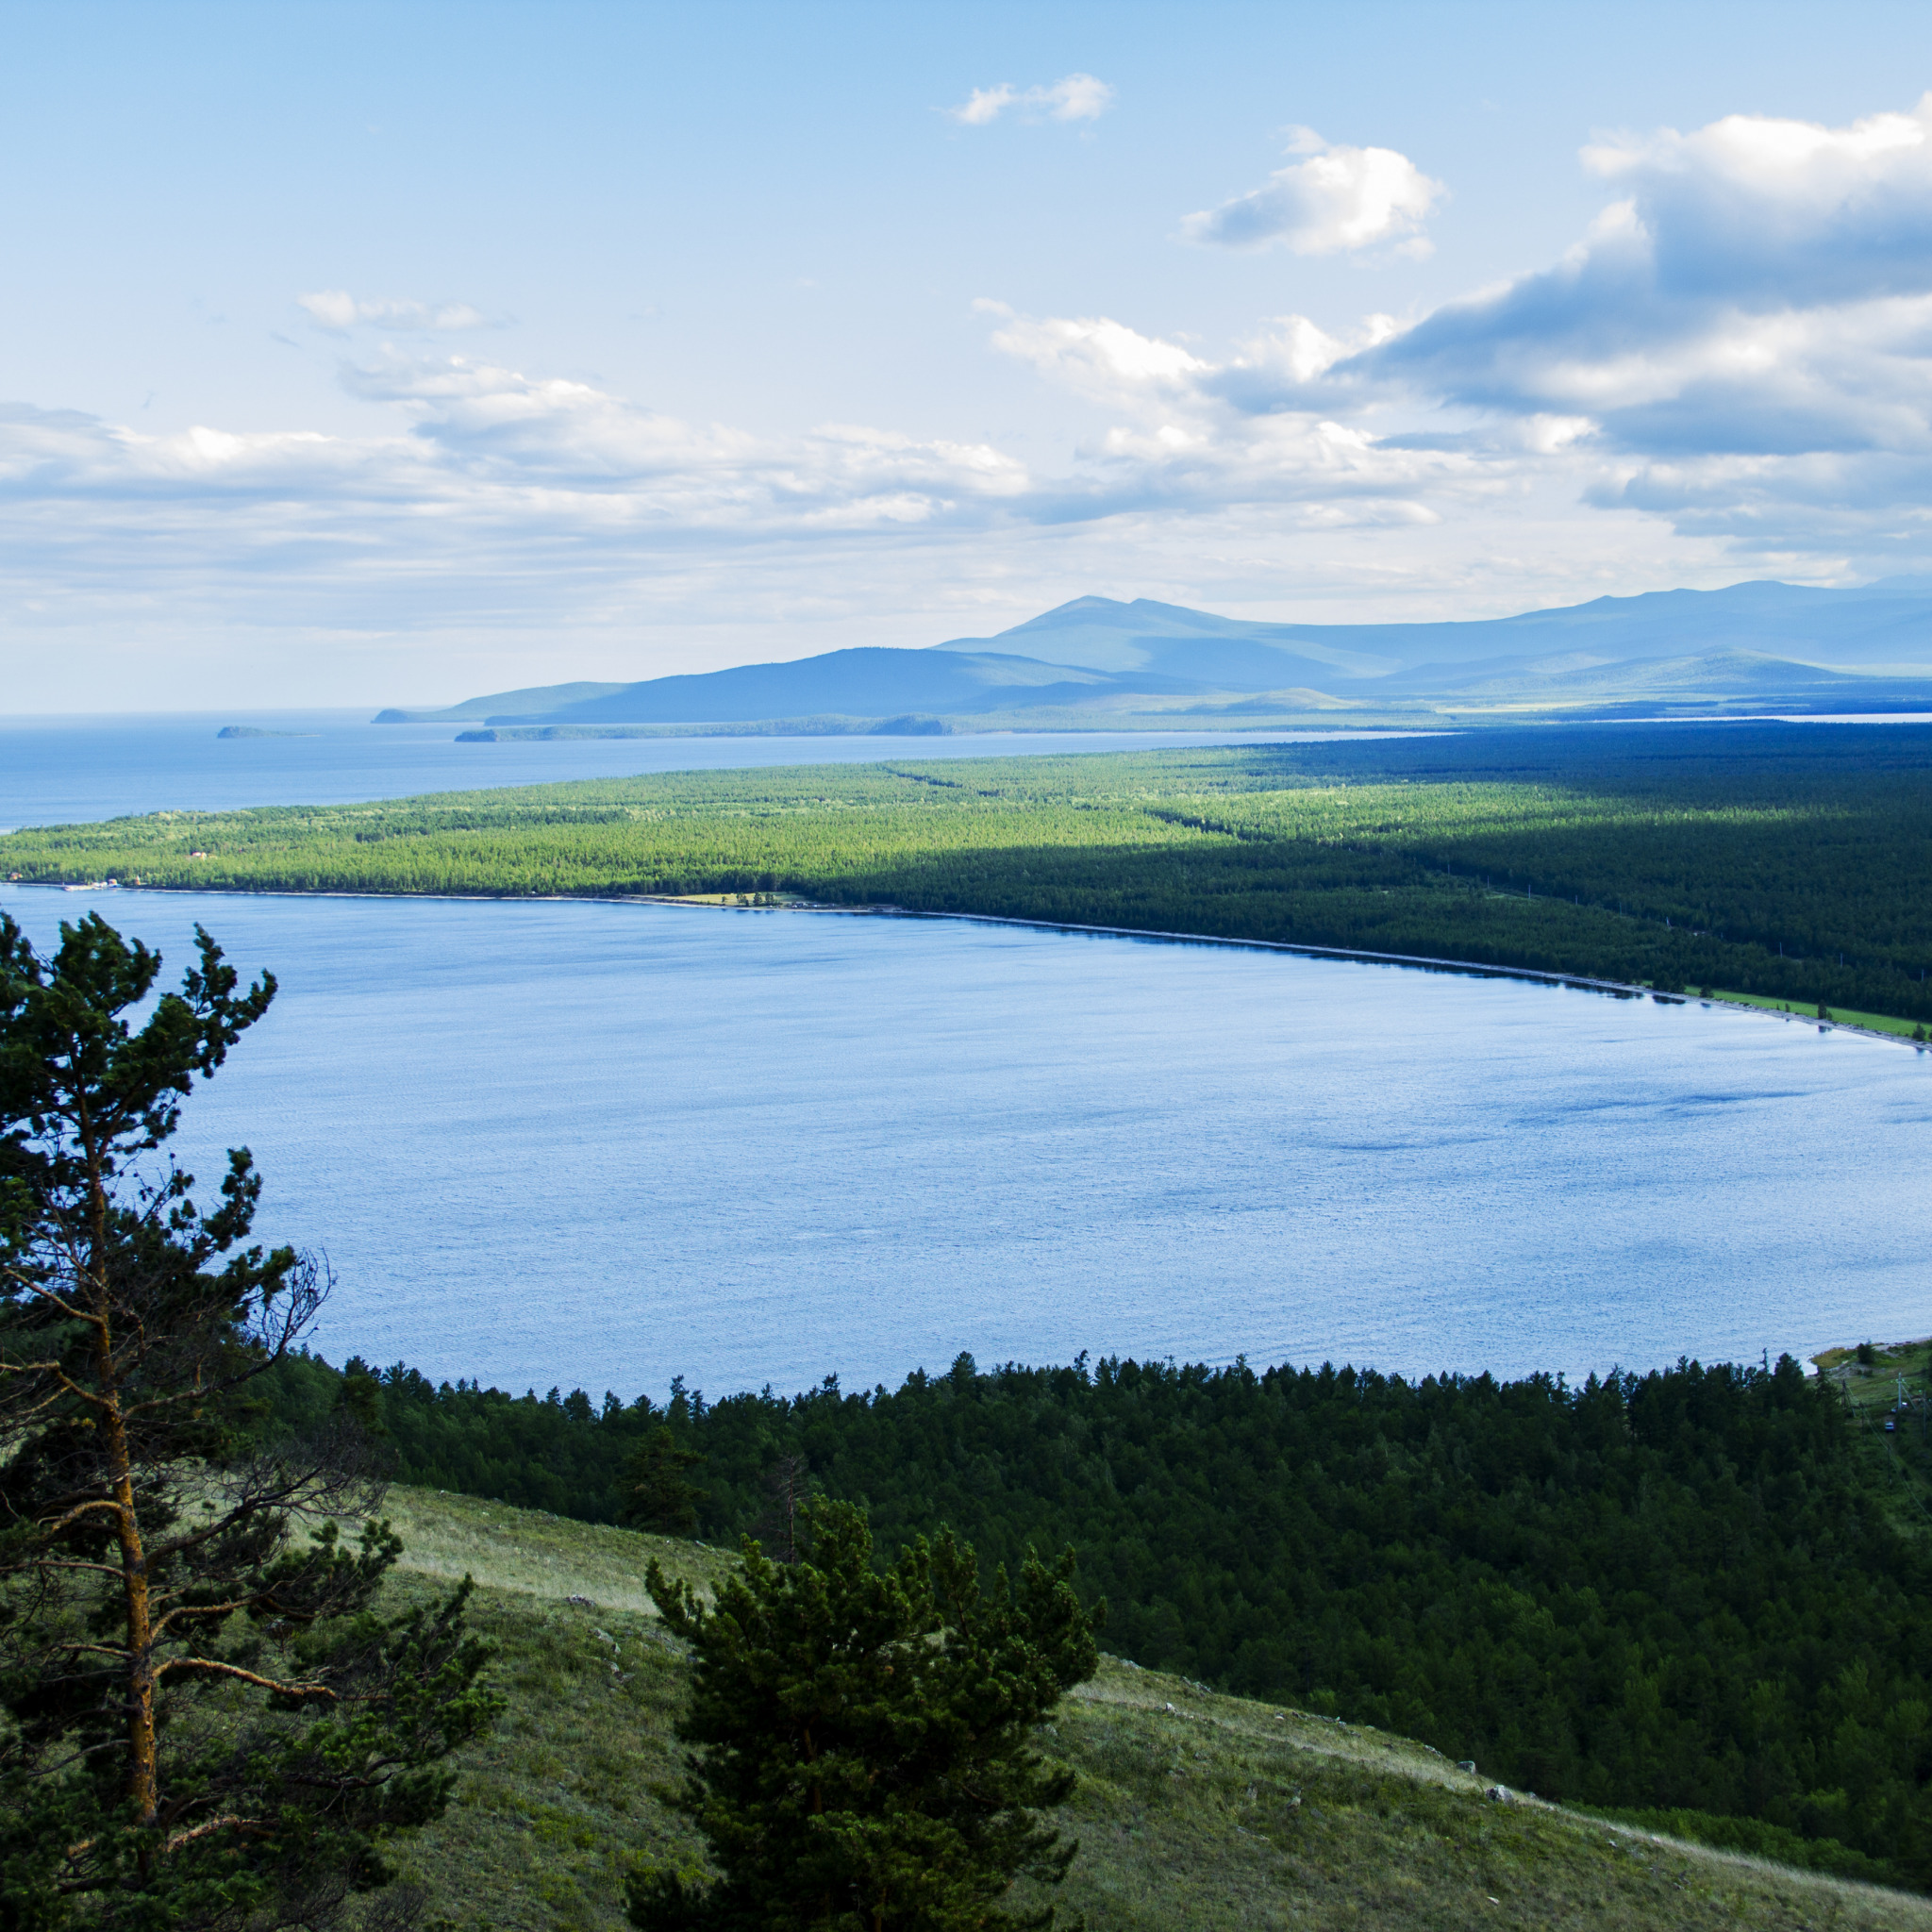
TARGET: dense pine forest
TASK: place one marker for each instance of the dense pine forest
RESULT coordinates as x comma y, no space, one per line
1790,862
1668,1592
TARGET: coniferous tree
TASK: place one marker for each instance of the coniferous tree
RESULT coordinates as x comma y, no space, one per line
206,1722
866,1759
658,1493
788,1491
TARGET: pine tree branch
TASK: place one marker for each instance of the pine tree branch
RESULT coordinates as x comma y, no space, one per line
79,1564
207,1666
190,1612
28,1286
233,1821
74,1514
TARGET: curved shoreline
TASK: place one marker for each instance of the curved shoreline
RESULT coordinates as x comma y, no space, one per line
1618,988
1580,982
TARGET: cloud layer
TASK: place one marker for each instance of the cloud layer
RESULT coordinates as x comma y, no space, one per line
1729,372
339,311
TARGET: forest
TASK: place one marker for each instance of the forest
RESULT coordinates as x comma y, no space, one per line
1789,862
1670,1591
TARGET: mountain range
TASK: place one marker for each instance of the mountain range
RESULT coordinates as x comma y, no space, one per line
1096,662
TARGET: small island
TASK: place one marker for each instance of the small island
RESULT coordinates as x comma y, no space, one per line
256,731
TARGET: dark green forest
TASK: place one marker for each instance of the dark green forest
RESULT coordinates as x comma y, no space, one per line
1790,862
1666,1591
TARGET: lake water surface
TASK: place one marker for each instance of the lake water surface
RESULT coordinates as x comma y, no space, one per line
74,770
569,1143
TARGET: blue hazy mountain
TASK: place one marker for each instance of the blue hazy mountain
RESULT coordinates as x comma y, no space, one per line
1768,643
860,683
1882,628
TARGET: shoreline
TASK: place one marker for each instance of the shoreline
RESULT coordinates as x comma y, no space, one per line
1579,982
1617,988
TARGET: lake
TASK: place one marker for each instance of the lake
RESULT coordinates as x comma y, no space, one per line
570,1143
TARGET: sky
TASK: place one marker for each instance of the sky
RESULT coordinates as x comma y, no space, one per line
392,353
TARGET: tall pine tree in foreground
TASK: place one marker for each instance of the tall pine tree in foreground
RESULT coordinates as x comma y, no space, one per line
866,1754
204,1721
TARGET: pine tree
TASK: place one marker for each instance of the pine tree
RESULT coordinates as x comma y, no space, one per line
866,1757
205,1721
657,1495
788,1489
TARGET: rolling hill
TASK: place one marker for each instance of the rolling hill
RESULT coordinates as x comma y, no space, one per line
1193,1810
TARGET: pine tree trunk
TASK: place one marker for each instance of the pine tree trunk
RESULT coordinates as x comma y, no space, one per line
142,1793
143,1797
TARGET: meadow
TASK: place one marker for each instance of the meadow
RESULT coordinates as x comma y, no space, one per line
1786,863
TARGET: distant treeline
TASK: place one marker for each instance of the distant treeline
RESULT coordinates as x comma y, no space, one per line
1665,1591
1788,861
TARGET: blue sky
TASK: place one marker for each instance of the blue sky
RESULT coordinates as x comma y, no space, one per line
393,353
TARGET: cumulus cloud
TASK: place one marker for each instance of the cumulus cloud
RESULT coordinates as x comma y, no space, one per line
1100,357
1183,436
482,423
1764,287
1742,340
1772,213
1076,97
339,311
1337,199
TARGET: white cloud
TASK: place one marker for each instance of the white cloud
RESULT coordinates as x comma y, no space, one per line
1764,287
1076,97
1339,198
1184,440
1773,212
1099,358
1748,327
339,311
984,104
485,426
481,441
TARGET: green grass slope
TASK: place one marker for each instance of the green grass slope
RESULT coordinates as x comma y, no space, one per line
1193,1810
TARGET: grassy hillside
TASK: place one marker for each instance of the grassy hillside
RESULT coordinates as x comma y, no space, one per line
1792,863
1194,1810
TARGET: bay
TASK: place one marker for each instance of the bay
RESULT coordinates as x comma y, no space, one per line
566,1142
